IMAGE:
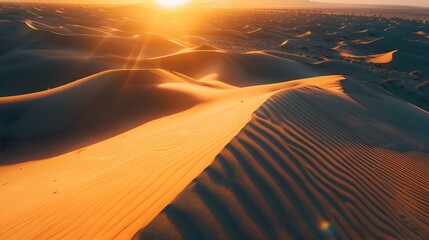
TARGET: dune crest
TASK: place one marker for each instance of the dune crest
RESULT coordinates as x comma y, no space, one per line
283,43
311,164
143,170
421,33
364,42
303,35
381,58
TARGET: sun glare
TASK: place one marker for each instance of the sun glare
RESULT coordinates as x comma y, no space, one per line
171,3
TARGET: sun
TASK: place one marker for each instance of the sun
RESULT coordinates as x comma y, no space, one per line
171,3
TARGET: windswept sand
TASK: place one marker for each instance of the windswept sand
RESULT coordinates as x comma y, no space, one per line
124,181
313,163
244,124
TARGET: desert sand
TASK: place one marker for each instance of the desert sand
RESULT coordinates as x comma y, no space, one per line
307,167
132,122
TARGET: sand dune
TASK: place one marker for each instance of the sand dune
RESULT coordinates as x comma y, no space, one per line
313,163
65,62
364,42
212,124
303,35
265,33
104,98
421,33
362,31
283,43
381,58
137,183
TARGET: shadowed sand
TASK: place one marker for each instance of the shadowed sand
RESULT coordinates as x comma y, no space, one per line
107,114
313,163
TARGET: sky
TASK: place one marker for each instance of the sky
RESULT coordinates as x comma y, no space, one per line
421,3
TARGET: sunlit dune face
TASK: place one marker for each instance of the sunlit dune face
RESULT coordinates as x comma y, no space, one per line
171,3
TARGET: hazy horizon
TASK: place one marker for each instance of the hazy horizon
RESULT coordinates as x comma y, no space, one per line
417,3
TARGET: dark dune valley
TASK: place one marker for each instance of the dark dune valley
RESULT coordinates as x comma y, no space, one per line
142,122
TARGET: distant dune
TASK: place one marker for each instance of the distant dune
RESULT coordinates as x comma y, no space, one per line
129,122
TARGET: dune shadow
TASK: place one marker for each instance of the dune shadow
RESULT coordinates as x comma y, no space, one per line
105,116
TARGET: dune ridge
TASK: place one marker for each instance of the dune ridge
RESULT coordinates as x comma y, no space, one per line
112,100
382,58
143,169
311,164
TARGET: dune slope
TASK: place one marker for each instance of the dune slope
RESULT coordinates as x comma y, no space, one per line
312,164
126,180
